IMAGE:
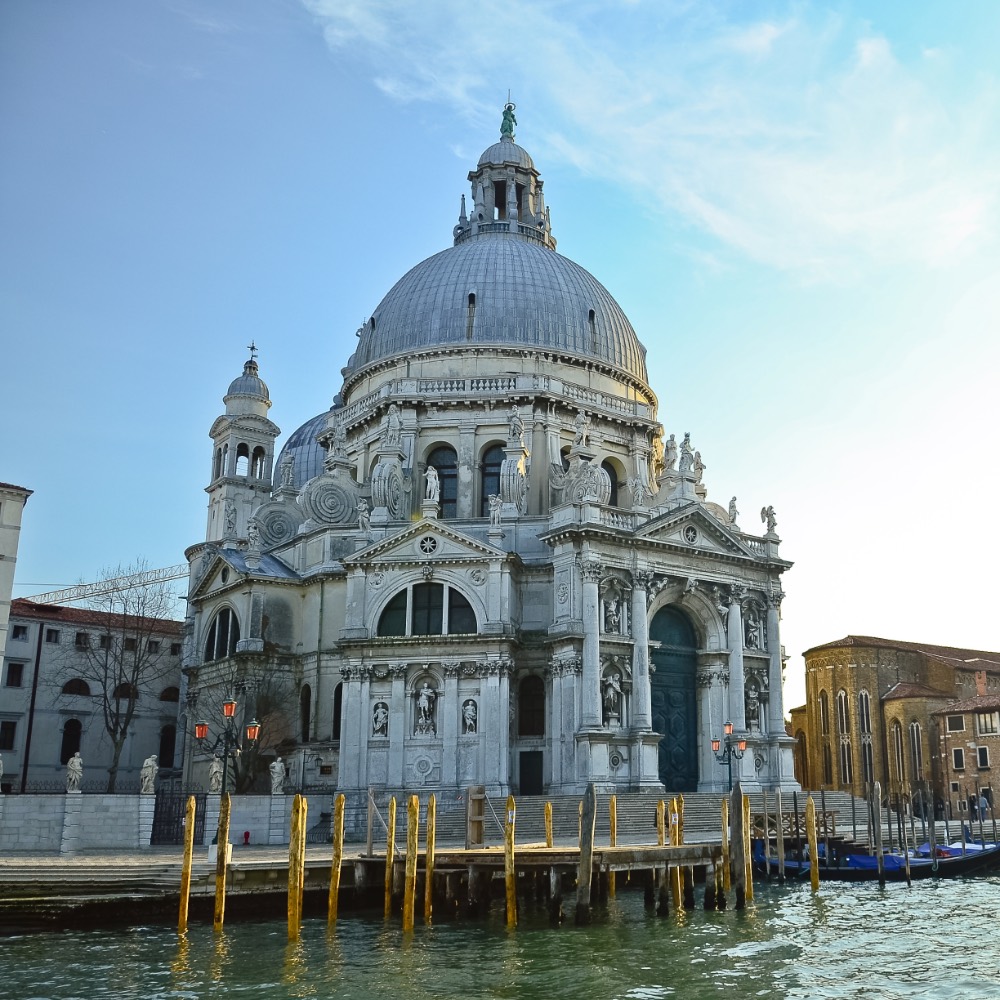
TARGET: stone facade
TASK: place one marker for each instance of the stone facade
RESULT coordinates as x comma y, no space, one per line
12,501
876,711
487,564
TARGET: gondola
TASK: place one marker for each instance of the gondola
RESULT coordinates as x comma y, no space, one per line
950,862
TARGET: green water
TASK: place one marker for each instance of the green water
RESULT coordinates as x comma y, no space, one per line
936,939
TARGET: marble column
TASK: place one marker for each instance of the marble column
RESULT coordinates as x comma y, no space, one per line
775,699
642,717
591,708
503,696
737,704
400,723
449,711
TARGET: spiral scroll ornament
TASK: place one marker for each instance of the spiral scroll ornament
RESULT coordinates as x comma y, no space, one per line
278,524
326,502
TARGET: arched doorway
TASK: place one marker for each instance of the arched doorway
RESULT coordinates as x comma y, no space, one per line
675,699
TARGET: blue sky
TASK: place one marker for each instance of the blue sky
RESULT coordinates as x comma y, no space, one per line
796,204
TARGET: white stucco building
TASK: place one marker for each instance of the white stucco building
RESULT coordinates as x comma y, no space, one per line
488,563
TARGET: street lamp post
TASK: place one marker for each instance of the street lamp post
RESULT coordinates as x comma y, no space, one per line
228,739
734,749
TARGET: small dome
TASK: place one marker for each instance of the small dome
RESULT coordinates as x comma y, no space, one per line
506,151
305,450
249,383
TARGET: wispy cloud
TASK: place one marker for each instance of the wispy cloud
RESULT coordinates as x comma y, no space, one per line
804,143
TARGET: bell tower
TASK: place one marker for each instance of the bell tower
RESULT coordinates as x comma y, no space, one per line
242,456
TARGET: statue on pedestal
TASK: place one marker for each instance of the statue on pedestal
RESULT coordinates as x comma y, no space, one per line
432,484
74,772
425,710
582,429
277,770
147,776
215,775
364,516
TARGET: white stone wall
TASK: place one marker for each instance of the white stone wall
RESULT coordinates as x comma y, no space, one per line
69,823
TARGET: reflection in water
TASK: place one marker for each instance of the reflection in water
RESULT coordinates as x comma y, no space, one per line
787,944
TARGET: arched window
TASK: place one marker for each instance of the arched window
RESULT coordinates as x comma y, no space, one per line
428,609
338,707
71,734
846,763
305,710
916,751
609,468
843,716
867,761
824,714
489,480
531,707
864,713
223,635
899,765
827,765
217,471
445,463
168,743
126,692
258,462
242,459
76,686
470,320
170,694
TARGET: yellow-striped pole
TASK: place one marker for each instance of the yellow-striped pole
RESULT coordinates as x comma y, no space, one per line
390,850
580,826
412,846
182,916
338,859
429,857
813,843
294,872
661,831
613,819
510,875
222,858
675,871
548,824
303,828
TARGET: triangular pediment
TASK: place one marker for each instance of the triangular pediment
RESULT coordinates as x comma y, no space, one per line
226,567
696,529
427,540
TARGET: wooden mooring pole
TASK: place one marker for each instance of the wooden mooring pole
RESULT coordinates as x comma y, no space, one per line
429,857
747,849
221,861
726,860
548,824
813,842
412,843
588,820
296,850
390,853
613,841
875,808
781,836
189,814
510,871
338,859
737,846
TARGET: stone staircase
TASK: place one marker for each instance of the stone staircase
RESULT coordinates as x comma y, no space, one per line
636,818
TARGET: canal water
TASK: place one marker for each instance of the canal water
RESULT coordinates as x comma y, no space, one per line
936,939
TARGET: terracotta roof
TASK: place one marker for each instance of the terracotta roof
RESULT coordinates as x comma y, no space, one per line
906,689
980,703
22,607
951,653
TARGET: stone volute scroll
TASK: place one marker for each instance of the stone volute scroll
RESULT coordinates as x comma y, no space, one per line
387,481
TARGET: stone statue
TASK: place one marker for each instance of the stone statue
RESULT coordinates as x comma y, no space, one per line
287,470
733,512
670,456
380,719
470,716
515,429
768,517
496,509
612,619
339,439
253,535
230,518
752,629
753,706
425,709
74,773
687,455
364,516
393,425
277,770
582,428
509,121
612,695
638,491
432,484
215,775
699,467
147,776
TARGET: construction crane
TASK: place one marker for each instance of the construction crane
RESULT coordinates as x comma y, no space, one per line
83,591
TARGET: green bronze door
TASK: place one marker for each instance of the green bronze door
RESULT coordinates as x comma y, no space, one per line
674,699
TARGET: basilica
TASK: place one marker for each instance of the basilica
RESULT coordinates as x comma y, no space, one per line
488,563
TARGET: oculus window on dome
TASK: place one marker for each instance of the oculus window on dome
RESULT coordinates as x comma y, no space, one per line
427,609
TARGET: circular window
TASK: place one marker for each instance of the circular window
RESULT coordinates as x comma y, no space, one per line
690,534
428,545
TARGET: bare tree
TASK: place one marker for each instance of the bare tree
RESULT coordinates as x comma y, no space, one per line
125,650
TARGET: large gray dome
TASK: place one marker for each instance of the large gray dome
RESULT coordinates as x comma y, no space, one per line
525,296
